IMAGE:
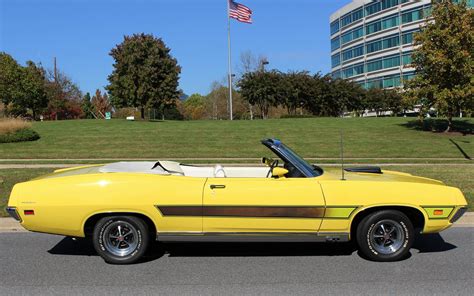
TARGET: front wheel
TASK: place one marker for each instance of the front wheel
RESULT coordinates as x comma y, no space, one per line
385,236
121,239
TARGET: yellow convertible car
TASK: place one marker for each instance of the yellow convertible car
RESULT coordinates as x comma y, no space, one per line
123,206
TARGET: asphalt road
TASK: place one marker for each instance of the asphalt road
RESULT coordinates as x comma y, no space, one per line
45,264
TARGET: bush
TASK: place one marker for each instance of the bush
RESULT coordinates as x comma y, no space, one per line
16,130
12,125
22,135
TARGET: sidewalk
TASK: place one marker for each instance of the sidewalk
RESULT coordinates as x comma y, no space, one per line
10,225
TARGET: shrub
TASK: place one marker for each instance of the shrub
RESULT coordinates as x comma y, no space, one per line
12,125
22,135
16,130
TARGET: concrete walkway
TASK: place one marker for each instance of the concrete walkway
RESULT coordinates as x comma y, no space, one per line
11,225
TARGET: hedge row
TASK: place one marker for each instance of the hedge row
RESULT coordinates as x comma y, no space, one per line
21,135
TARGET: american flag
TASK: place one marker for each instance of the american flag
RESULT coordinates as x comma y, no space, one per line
240,12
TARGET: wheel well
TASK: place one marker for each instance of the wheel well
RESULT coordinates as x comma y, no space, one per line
416,217
90,223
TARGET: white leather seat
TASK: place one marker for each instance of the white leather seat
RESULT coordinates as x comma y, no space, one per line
219,172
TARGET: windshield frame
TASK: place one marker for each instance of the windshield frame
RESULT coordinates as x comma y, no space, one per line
288,155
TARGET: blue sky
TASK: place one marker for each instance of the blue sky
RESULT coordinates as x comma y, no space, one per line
293,34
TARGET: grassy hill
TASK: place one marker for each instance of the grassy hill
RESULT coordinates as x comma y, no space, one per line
313,137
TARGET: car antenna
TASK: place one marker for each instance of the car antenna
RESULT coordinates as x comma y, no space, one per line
342,158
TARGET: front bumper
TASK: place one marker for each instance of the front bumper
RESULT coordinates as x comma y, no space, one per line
13,213
458,215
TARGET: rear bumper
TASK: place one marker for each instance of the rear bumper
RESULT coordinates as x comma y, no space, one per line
13,213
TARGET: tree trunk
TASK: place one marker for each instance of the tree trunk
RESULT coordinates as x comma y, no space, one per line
450,123
142,112
34,114
251,111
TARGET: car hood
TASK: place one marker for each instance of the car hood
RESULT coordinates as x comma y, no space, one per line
385,176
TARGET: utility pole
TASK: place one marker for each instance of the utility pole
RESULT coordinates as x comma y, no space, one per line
55,71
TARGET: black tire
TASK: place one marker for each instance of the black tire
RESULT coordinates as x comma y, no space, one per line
128,247
385,236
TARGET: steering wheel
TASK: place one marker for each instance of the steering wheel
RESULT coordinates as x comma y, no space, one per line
272,165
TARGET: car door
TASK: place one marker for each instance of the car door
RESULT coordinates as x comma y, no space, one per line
236,205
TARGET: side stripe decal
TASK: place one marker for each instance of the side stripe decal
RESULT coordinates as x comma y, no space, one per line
258,211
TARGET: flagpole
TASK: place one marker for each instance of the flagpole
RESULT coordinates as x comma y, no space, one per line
230,61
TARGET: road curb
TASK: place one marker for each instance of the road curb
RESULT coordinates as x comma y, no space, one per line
8,225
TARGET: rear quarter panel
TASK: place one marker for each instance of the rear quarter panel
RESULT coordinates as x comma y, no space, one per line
62,205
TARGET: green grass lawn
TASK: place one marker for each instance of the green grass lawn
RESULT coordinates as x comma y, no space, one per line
457,175
312,137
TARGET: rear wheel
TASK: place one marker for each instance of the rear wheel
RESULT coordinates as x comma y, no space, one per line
385,235
121,239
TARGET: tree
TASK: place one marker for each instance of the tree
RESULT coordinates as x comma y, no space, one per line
100,103
194,107
34,95
263,89
249,63
145,74
374,100
86,106
10,77
64,97
298,89
443,58
334,97
22,89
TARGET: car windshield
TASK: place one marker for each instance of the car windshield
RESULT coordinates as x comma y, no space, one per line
308,169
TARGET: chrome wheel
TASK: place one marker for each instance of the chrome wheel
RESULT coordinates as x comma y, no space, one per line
120,238
387,236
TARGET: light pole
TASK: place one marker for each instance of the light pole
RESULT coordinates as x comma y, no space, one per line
263,62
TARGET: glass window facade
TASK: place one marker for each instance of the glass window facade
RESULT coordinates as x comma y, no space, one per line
334,27
407,37
335,60
346,20
389,3
347,54
352,35
384,82
373,8
390,22
390,62
358,69
373,27
374,66
390,42
353,52
358,51
335,43
412,15
391,81
406,59
381,5
358,14
360,55
408,76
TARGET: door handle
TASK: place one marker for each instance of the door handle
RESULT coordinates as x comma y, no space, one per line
217,186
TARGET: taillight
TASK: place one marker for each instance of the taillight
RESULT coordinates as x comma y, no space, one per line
29,212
